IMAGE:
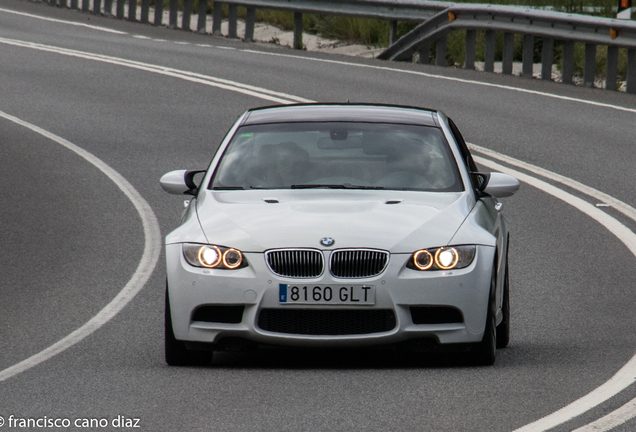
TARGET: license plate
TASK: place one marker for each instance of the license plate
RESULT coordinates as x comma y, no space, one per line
327,294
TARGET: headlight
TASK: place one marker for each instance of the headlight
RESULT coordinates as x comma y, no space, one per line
443,258
211,256
423,259
232,258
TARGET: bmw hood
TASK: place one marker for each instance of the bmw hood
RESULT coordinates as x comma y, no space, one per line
255,221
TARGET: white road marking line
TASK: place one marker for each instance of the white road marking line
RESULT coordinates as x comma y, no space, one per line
182,43
446,78
612,420
257,92
626,376
147,264
141,37
609,200
428,75
594,398
103,29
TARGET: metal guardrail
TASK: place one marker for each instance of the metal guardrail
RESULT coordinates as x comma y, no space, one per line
401,10
393,10
550,26
438,20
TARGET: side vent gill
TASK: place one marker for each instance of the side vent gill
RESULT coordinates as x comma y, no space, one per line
271,200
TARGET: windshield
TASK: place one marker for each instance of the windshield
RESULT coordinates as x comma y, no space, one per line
338,155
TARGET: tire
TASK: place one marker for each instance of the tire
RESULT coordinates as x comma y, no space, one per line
503,329
484,352
176,352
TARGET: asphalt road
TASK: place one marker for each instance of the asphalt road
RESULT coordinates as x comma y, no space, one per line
71,239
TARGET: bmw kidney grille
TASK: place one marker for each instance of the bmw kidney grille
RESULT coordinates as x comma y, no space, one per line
358,263
300,263
345,263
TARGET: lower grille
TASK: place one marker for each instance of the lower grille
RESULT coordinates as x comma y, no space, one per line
327,322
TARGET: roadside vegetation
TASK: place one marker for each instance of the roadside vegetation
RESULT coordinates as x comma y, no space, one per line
375,33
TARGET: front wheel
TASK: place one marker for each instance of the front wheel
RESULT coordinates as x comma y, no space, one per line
175,350
503,329
484,352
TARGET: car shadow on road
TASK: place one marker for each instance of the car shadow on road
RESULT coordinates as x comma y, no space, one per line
339,359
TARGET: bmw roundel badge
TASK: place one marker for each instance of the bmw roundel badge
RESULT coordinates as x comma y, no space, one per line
327,241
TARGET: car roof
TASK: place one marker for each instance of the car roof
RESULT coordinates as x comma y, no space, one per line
367,113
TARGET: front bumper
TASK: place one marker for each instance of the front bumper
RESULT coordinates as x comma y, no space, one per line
399,290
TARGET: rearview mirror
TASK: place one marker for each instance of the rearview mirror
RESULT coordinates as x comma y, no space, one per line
499,185
180,182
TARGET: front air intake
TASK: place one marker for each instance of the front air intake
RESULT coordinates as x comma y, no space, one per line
327,322
224,314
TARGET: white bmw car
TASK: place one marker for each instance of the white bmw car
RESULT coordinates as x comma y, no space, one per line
339,225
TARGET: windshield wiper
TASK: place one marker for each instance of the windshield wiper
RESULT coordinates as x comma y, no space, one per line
334,186
228,188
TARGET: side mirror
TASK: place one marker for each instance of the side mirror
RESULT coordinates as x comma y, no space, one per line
498,185
180,182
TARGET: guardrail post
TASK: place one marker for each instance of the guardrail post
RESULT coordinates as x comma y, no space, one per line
489,51
108,7
528,55
567,67
392,32
132,10
120,9
440,51
174,11
590,65
63,4
145,11
203,13
425,54
547,56
187,14
97,7
250,20
508,53
74,4
233,18
612,68
52,2
158,13
86,6
471,49
631,71
217,18
298,30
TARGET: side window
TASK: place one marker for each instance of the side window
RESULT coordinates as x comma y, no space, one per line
466,156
